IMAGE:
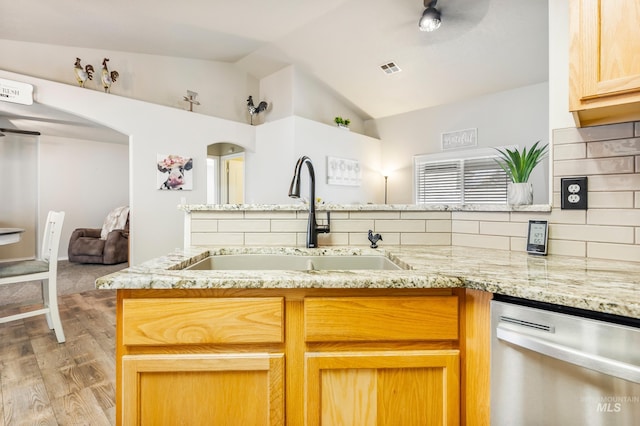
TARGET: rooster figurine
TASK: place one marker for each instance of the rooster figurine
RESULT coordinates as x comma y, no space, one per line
374,239
108,77
253,110
83,74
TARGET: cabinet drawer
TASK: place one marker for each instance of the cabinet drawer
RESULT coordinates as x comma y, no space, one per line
339,319
202,321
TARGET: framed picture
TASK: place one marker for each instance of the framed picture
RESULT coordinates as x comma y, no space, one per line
174,172
343,171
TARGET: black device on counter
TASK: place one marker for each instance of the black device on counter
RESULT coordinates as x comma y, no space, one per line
537,237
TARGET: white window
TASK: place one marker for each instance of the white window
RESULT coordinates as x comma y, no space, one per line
473,178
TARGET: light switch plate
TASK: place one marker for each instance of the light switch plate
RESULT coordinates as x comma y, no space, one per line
573,193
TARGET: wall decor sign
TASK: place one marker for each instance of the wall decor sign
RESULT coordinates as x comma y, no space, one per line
175,172
343,171
16,92
459,139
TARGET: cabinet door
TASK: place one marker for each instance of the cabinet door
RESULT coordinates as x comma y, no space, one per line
383,388
604,56
203,389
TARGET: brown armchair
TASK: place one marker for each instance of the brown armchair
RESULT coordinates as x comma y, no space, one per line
87,246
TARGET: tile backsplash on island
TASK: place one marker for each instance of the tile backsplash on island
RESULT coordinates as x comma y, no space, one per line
610,229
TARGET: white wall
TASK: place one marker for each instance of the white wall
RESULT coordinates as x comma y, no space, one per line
280,143
292,92
156,223
559,115
514,117
86,179
222,88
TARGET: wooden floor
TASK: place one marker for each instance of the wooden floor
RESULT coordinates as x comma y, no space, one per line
43,382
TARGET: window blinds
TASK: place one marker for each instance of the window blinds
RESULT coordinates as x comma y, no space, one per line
478,180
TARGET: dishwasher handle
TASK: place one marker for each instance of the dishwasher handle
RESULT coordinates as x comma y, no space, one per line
594,362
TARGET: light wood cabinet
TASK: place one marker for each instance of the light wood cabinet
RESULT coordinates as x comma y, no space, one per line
604,61
383,388
203,389
380,384
306,356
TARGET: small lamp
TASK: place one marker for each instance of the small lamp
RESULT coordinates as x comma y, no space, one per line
430,19
386,177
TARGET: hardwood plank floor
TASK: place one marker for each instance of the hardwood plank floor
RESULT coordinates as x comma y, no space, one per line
43,382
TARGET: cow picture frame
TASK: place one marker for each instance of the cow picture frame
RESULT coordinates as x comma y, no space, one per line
174,172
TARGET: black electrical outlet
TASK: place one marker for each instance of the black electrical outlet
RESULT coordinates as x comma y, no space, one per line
573,193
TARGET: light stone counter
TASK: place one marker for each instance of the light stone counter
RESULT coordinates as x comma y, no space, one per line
368,207
597,285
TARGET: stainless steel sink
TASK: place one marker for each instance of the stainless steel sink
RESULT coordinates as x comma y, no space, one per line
294,262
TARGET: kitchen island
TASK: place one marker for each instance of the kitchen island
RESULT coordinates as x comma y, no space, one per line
289,344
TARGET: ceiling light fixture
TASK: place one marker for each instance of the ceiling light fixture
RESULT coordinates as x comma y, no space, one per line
430,19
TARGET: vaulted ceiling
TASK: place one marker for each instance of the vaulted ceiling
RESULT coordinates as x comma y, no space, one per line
483,46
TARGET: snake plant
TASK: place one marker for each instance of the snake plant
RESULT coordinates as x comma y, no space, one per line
518,166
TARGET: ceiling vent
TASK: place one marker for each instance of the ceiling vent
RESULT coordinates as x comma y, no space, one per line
390,68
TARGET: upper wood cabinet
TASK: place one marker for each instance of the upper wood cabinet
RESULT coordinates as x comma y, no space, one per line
604,61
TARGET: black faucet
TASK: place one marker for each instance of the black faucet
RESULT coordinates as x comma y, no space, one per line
313,229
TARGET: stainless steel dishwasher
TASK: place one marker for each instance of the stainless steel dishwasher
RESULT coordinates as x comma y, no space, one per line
553,365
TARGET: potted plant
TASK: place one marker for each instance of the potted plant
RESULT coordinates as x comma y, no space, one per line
518,167
342,122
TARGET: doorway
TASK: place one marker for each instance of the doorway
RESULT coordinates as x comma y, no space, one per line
225,174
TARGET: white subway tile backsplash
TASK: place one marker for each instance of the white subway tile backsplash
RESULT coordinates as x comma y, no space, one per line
613,148
294,225
260,225
425,239
270,239
216,214
493,216
217,239
285,214
567,216
609,200
614,251
400,226
439,225
511,229
608,155
481,241
570,151
465,226
568,248
607,234
625,217
621,182
527,216
518,244
334,239
206,225
360,225
426,215
593,133
388,238
374,215
599,166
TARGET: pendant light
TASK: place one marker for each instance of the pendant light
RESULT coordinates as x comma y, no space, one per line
430,19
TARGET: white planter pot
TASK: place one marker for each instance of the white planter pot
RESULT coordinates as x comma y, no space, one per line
519,193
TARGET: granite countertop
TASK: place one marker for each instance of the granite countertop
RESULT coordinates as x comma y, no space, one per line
597,285
367,207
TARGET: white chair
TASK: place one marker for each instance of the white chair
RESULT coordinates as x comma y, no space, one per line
44,270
